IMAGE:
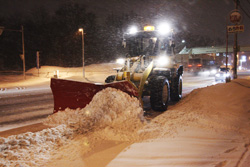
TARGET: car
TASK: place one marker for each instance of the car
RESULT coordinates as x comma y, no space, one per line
224,73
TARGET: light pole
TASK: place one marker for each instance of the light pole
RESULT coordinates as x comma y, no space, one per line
83,67
237,2
23,55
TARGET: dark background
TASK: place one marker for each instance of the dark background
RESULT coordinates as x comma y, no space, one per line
50,26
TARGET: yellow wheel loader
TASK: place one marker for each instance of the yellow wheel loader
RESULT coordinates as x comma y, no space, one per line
147,70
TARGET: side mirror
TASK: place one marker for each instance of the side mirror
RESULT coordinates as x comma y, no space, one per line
180,71
124,43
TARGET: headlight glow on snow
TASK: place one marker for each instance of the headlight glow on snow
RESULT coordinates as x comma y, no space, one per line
162,61
87,112
120,61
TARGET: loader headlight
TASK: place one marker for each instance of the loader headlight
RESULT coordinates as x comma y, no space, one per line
133,30
162,61
120,61
164,28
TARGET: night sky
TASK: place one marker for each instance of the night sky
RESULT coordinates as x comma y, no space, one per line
208,17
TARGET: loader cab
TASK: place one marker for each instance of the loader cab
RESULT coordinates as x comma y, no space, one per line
148,43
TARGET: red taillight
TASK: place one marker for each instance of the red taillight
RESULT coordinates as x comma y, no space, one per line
199,65
189,65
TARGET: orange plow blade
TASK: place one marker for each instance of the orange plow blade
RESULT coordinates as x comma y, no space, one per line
75,94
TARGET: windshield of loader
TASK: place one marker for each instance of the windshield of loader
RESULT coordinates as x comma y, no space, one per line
146,44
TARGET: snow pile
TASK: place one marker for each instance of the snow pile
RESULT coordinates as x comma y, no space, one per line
110,109
221,106
111,115
209,127
32,149
229,101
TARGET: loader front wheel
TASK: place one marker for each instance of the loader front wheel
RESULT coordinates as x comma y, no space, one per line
176,88
110,79
159,95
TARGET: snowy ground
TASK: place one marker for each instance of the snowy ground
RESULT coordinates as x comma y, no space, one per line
209,127
25,102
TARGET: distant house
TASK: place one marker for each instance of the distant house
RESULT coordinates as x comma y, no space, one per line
216,54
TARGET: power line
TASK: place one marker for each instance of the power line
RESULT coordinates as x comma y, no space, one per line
245,12
245,5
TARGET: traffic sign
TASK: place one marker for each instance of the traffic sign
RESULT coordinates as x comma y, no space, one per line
235,17
235,28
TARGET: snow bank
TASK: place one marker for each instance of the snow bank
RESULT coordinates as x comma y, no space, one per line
223,106
95,72
104,67
109,109
222,100
209,127
32,149
64,72
111,113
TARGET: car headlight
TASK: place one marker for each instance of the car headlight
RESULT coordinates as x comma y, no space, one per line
120,61
217,75
206,72
162,61
213,71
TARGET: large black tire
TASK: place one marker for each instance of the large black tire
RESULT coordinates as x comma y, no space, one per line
110,79
176,88
159,93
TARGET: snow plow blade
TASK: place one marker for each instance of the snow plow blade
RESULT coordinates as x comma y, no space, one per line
75,94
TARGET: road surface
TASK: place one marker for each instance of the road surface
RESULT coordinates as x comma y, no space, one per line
29,105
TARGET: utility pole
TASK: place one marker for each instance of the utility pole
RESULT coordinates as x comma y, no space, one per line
83,65
237,2
226,50
23,54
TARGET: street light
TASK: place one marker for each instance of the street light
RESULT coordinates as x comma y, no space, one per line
81,30
23,55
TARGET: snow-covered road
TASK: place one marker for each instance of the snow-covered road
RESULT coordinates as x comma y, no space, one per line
30,105
26,106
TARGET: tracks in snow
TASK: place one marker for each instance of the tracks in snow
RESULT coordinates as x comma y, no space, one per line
28,107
